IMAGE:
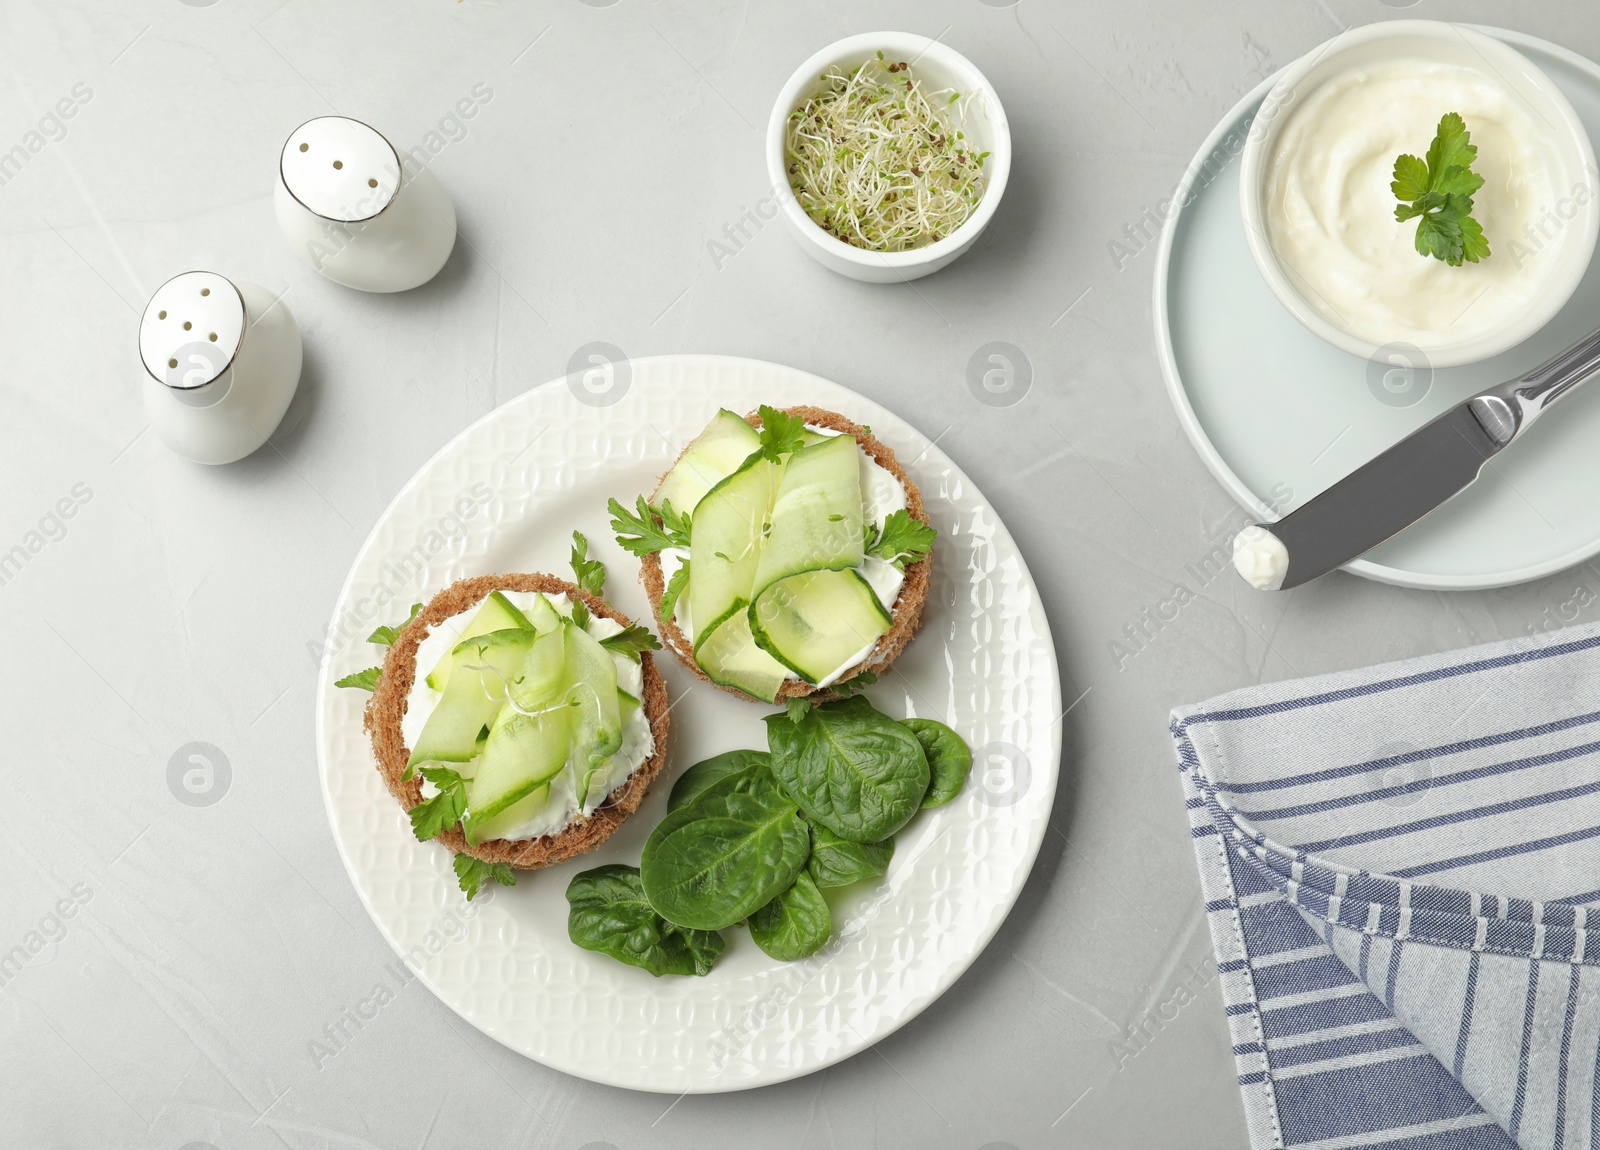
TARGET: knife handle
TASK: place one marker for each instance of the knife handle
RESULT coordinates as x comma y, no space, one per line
1506,411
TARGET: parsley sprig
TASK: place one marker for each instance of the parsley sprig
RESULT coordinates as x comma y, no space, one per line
591,576
367,680
902,540
799,708
676,586
781,433
473,873
432,816
591,573
1437,192
385,636
631,641
648,531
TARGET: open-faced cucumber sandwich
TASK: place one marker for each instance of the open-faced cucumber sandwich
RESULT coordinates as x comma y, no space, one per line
784,553
537,724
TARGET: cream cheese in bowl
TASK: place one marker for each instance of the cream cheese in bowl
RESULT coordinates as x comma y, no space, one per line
1320,212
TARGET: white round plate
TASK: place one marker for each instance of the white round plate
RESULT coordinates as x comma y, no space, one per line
527,475
1278,415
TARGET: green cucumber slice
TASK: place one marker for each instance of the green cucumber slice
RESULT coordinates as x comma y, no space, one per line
497,614
528,742
729,655
509,819
523,754
724,549
815,622
716,453
596,708
816,515
626,705
542,678
473,697
542,615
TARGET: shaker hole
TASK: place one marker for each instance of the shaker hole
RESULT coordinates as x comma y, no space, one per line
172,363
187,325
213,337
337,164
372,183
305,147
205,291
161,315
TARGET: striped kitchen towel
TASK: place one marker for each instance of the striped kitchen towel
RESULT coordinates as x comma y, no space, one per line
1401,867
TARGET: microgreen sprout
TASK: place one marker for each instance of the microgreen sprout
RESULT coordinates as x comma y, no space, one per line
879,162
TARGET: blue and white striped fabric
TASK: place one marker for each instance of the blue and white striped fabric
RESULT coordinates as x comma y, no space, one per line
1401,867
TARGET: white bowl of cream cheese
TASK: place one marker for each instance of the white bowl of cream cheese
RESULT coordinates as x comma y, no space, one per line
1319,212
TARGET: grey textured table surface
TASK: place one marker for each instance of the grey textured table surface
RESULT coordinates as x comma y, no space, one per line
610,146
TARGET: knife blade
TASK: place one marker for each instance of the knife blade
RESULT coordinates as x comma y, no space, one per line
1408,481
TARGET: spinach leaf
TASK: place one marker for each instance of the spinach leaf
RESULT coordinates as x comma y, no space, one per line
724,855
839,862
949,759
720,773
851,768
610,914
795,924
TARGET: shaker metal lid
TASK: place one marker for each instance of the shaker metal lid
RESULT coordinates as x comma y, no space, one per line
191,330
340,169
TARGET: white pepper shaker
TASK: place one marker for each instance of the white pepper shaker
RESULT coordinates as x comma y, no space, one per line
222,360
347,204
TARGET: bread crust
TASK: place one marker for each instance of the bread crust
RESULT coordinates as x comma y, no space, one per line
907,614
387,708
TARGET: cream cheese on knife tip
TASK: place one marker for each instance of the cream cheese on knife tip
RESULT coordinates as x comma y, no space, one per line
1261,558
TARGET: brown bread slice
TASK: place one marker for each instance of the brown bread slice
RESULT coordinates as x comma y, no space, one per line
907,613
388,706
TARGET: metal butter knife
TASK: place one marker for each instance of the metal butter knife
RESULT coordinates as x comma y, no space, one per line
1424,470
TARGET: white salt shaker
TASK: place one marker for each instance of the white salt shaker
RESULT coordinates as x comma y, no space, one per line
347,204
223,361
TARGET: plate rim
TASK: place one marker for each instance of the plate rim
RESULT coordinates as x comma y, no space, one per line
951,973
1219,468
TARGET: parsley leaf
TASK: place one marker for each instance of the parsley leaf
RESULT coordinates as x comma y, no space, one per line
630,641
591,573
1410,178
902,540
1437,192
781,432
676,586
473,873
648,531
387,635
444,810
366,680
1474,244
857,683
798,709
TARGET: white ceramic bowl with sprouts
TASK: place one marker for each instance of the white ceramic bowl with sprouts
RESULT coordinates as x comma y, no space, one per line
939,67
